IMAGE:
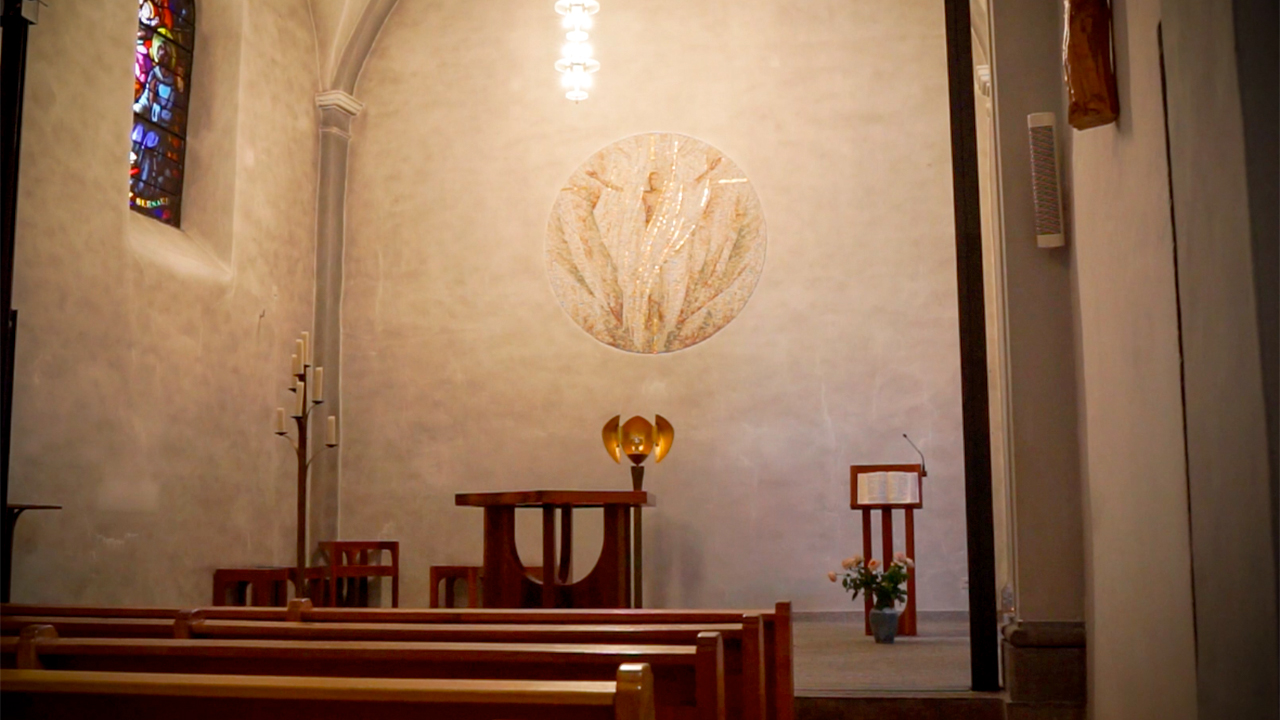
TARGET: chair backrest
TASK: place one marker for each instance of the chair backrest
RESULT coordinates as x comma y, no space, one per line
359,552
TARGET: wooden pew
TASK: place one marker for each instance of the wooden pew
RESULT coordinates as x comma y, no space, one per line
689,680
776,627
68,695
228,612
778,646
76,626
744,676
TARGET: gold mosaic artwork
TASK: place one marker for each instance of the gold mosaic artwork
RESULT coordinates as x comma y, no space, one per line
655,243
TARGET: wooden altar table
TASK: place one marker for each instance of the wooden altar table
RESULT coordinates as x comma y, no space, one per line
610,582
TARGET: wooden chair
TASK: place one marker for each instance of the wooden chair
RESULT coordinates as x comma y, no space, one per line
256,586
472,575
68,695
350,565
449,574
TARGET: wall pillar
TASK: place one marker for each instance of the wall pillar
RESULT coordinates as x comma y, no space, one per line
337,110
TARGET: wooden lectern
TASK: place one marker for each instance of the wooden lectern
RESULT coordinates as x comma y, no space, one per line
877,491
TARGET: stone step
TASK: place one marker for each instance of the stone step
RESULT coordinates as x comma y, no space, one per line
882,705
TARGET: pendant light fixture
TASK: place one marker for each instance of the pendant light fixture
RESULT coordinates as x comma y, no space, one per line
576,64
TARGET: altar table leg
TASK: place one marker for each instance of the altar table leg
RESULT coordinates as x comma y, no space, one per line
609,584
503,577
639,560
566,545
548,556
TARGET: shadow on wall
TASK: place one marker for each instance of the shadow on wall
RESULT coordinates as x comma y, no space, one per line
677,551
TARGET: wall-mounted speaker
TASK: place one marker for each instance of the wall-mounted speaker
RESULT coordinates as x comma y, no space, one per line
1045,180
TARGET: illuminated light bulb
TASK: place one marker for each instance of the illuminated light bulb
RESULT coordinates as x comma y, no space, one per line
576,51
586,7
576,21
576,64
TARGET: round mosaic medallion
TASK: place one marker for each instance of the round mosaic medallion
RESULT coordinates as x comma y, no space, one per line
655,243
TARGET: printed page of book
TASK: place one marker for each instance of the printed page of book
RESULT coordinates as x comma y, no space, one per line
903,488
873,488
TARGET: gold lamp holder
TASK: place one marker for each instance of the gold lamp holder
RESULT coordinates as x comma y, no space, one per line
637,438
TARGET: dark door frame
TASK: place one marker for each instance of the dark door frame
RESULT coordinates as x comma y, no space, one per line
13,72
979,521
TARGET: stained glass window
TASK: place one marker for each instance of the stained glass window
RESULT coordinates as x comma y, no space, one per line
161,85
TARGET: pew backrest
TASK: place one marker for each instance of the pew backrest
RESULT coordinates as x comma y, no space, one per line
689,679
59,695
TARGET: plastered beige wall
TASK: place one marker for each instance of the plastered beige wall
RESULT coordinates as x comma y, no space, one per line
1043,444
461,373
149,360
1233,561
1141,633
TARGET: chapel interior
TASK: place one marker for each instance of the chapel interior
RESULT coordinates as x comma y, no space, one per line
328,345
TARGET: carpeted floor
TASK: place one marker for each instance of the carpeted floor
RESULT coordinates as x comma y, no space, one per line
832,653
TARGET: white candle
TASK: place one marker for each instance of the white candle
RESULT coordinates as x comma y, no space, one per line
331,437
296,364
306,348
317,385
280,421
300,408
300,349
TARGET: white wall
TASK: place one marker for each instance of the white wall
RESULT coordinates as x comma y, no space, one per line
1141,633
1041,363
149,359
1234,566
461,372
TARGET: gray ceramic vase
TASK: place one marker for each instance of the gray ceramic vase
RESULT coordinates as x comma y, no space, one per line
884,625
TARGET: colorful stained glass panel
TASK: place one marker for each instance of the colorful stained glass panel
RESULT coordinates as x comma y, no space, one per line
161,84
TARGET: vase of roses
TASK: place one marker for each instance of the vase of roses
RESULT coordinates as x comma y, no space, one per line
884,585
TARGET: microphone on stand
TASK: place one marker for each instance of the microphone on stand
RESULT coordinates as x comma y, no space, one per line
923,472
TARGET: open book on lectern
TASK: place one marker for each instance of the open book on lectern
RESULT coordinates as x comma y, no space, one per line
886,485
888,488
